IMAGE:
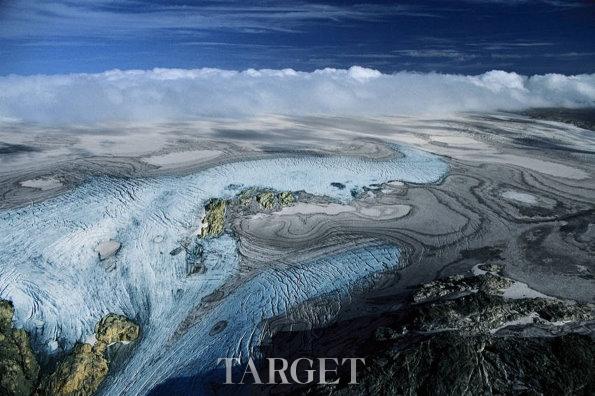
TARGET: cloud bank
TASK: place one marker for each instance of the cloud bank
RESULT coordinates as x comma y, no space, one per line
179,94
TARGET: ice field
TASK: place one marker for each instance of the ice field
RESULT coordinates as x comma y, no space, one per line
49,266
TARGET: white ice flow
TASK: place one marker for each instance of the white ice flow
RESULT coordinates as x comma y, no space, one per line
50,269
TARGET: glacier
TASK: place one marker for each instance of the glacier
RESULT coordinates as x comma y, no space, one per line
50,269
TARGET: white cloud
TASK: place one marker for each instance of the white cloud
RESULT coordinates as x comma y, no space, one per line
179,94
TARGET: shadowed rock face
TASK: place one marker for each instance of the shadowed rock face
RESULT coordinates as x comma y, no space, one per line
464,336
18,367
473,305
451,364
459,284
583,118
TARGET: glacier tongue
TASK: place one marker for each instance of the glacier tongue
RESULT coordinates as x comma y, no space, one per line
271,293
50,269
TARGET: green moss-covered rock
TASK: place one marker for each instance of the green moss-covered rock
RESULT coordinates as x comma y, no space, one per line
246,196
6,314
248,200
114,328
19,369
80,373
84,369
214,219
266,200
286,198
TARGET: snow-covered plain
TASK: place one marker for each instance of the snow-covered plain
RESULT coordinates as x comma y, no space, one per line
50,269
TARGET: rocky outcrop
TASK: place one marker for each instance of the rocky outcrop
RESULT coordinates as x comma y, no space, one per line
266,200
467,336
214,220
114,328
107,249
80,373
246,196
83,370
459,285
451,364
19,369
475,304
250,200
194,258
286,198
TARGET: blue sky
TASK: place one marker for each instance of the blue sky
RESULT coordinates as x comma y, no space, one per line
466,37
